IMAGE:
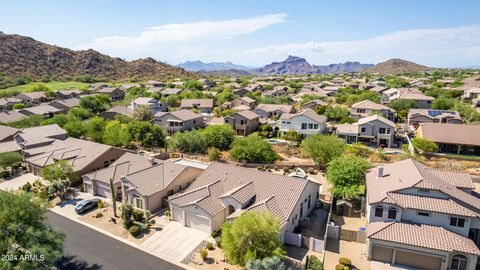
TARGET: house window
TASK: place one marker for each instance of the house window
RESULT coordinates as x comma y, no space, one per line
388,130
310,126
379,211
381,130
423,190
360,110
363,129
315,126
304,125
459,262
309,197
301,210
392,213
457,222
423,214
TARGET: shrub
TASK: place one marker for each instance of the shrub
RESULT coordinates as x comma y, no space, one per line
209,246
143,227
82,188
218,241
27,187
286,170
314,263
168,213
268,263
134,230
214,154
138,215
214,234
127,212
339,267
4,174
99,215
101,204
310,170
345,261
203,253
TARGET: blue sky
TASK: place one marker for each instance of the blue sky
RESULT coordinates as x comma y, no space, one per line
435,33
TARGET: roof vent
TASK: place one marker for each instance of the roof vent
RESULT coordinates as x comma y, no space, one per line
380,171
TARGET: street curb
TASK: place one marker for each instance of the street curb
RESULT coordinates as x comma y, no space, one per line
179,264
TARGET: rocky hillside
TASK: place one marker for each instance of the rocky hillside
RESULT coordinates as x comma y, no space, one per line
24,56
298,65
396,66
212,66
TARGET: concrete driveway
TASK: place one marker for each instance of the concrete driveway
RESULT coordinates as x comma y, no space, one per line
174,242
67,209
17,182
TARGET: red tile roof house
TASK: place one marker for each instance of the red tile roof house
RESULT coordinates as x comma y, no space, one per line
222,192
422,218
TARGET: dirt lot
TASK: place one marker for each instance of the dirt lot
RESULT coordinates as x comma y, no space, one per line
357,252
214,261
117,229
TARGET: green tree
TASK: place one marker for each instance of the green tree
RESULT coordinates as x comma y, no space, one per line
269,263
214,154
251,236
252,149
292,136
219,136
189,142
95,104
424,145
25,231
116,134
402,106
336,113
443,103
347,175
95,128
8,159
75,128
79,113
143,113
18,106
322,148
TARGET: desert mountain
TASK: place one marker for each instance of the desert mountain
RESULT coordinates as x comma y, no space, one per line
24,56
396,66
212,66
298,65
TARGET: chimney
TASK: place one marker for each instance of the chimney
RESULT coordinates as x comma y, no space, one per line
380,171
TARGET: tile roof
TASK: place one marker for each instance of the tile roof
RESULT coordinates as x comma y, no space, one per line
6,132
200,103
250,115
308,113
375,117
273,107
421,235
121,110
39,110
183,115
450,133
370,105
221,180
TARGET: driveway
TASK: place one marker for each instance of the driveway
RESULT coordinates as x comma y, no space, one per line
17,182
174,242
67,209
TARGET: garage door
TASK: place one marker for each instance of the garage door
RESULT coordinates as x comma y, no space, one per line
102,190
197,223
177,214
419,261
382,254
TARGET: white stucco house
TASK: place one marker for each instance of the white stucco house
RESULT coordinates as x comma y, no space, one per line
306,122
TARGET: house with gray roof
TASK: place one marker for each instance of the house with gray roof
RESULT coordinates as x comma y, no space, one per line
202,105
7,103
452,138
375,130
153,104
305,122
273,110
222,192
66,94
65,104
116,111
32,97
417,116
180,120
11,116
114,93
45,110
422,218
367,107
243,122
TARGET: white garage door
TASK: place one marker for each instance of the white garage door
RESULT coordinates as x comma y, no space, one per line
177,214
103,191
197,223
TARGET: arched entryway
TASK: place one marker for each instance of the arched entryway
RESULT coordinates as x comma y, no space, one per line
459,262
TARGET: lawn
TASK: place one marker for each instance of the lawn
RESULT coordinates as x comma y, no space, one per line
54,86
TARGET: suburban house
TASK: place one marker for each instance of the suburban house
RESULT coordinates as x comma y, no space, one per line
418,116
305,122
241,92
254,87
202,105
13,140
170,91
118,110
32,97
7,133
114,93
180,120
65,94
127,87
243,103
273,110
145,182
151,103
243,122
11,116
374,129
84,156
378,89
422,218
421,101
276,91
471,93
7,103
65,104
314,104
96,86
452,138
152,84
44,109
222,192
367,107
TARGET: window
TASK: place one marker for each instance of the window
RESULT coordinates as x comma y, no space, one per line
381,130
170,192
301,210
392,213
310,126
423,214
304,125
315,126
388,130
360,110
457,222
309,197
363,129
423,190
459,262
379,211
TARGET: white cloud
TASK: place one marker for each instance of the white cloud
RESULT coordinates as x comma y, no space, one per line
436,47
172,38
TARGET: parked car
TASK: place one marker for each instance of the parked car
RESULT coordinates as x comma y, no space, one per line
86,205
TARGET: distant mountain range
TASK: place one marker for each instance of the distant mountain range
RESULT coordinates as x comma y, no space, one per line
396,66
196,66
25,56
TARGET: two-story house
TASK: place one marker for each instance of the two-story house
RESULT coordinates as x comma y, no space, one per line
243,122
180,120
273,110
374,129
202,105
114,93
276,91
367,107
418,116
153,104
7,103
422,218
243,102
306,122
